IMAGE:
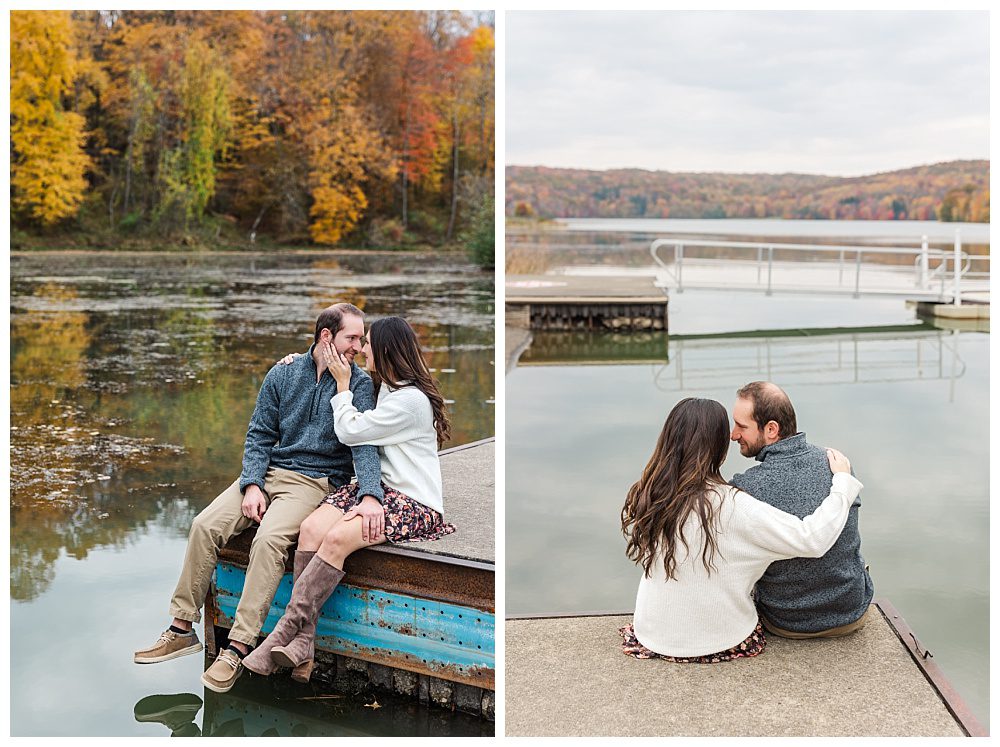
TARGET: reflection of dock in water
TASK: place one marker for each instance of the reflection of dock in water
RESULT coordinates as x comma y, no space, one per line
257,707
416,619
567,676
801,357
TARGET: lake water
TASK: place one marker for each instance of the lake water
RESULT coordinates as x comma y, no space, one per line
133,377
908,404
620,242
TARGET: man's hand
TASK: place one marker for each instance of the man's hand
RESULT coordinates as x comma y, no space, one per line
254,503
372,518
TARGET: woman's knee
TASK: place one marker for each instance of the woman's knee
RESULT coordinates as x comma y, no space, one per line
312,530
338,539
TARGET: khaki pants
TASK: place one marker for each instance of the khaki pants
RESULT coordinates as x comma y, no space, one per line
831,633
291,497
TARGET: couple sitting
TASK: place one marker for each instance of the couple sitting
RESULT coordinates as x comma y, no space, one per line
319,419
783,534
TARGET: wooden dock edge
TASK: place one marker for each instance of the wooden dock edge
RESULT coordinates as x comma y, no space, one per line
949,696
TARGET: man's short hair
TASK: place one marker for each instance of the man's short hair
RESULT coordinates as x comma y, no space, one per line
770,403
332,318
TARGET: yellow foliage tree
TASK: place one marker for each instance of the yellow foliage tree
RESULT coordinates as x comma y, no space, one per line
344,149
48,162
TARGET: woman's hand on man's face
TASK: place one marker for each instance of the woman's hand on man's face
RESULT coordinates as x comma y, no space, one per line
338,366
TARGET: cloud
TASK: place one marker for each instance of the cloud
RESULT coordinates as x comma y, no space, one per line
836,92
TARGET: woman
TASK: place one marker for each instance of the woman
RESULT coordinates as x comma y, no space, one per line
409,424
703,544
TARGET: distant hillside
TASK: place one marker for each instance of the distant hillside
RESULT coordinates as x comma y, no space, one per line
952,191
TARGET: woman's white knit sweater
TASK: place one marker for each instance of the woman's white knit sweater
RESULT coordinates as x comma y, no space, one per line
697,613
402,427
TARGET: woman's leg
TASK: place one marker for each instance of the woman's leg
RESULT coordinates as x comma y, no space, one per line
343,538
314,529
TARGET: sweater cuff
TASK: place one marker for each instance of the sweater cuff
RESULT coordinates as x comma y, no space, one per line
846,481
345,396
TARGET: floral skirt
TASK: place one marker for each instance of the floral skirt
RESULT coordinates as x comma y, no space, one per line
753,645
406,520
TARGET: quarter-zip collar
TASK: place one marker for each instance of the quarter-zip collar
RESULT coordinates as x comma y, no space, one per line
782,448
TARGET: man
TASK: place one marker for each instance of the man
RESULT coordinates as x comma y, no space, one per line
802,597
291,460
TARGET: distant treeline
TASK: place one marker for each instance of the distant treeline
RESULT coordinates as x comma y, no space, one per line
317,126
953,191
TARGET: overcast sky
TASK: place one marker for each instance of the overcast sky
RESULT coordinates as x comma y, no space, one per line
843,94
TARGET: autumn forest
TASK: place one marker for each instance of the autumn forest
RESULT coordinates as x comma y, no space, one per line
952,191
360,128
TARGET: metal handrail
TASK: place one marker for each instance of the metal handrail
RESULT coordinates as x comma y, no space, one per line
960,260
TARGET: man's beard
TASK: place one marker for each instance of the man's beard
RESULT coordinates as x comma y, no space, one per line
752,449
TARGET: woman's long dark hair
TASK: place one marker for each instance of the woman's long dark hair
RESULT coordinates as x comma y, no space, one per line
398,359
678,479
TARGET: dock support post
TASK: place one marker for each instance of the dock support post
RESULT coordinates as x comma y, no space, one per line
679,261
857,275
958,267
770,265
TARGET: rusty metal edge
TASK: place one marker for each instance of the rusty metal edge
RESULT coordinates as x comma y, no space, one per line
951,698
210,617
405,552
478,592
485,680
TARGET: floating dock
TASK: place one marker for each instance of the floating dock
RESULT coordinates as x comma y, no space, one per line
567,302
417,618
567,676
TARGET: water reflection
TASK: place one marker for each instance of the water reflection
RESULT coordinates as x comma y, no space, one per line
176,712
817,357
257,707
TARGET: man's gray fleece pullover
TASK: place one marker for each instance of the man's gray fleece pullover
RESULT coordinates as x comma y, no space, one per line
292,428
807,595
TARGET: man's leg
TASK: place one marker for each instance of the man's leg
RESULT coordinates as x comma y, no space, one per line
210,530
221,520
293,497
840,630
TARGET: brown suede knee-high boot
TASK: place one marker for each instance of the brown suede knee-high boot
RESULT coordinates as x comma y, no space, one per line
303,671
260,657
318,582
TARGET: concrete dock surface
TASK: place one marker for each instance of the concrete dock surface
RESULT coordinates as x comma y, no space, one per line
576,288
568,676
469,479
